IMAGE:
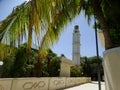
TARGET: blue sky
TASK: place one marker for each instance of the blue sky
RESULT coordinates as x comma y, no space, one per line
64,44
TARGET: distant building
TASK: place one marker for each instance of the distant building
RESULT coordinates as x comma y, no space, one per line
76,46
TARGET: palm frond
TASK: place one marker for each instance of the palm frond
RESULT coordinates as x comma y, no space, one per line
14,24
62,14
45,18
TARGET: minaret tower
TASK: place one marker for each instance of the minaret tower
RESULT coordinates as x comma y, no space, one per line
76,46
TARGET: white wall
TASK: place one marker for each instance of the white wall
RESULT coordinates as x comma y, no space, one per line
45,83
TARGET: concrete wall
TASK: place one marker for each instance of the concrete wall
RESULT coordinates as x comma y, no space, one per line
45,83
111,66
65,67
101,37
64,70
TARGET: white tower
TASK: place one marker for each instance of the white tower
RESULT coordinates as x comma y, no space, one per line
76,46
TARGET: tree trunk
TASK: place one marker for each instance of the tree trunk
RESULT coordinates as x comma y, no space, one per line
48,63
103,23
38,68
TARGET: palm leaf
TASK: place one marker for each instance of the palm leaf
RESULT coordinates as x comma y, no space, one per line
62,14
45,18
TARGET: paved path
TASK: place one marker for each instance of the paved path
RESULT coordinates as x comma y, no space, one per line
88,86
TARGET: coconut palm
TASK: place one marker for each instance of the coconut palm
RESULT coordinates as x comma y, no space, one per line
99,14
39,16
13,28
107,14
46,18
43,18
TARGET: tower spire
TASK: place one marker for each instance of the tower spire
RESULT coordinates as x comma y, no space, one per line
76,45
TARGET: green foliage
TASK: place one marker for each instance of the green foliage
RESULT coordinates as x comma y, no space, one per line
107,14
76,71
51,65
8,63
22,64
54,67
111,13
90,67
45,18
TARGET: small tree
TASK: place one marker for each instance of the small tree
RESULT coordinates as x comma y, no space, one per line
19,64
7,66
76,71
90,67
51,65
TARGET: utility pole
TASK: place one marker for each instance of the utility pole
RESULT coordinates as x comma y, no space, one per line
97,52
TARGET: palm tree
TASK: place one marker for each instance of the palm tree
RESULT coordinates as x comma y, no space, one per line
106,13
43,18
46,18
103,23
13,28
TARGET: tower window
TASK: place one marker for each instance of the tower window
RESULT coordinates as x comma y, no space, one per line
76,31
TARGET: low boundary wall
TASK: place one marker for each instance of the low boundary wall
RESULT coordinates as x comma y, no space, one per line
44,83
